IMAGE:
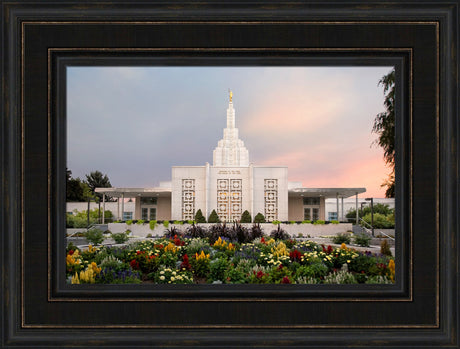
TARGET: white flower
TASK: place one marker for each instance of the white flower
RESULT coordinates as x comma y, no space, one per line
162,272
162,277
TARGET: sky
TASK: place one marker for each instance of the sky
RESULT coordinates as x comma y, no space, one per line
134,123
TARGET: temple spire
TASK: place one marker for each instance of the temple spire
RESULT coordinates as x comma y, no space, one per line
230,150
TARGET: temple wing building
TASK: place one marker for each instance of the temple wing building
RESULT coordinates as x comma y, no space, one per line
230,186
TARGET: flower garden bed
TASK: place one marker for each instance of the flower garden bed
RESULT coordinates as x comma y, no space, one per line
181,259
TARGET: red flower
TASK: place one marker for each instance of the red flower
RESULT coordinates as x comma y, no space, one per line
260,274
71,252
263,240
185,263
285,280
295,256
134,264
329,249
280,267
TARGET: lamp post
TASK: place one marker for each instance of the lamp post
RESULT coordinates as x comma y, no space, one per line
372,213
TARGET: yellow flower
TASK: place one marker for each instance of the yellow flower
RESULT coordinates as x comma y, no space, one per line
171,248
392,267
343,246
220,242
201,256
75,279
280,250
95,268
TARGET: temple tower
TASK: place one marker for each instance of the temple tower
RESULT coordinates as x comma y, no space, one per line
230,150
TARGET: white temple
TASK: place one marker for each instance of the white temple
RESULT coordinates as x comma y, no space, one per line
230,186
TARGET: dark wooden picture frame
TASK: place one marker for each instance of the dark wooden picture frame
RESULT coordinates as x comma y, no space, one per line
41,38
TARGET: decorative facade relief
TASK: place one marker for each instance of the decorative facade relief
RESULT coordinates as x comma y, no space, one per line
188,199
271,199
229,197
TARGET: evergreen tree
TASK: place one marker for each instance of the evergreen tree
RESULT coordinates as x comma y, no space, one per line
76,190
259,218
98,180
199,218
213,217
246,217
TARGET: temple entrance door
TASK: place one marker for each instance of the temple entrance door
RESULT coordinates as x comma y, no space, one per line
148,213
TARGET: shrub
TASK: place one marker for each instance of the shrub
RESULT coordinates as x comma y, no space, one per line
171,232
255,232
306,221
120,237
246,217
275,222
129,222
319,222
241,233
213,217
152,224
110,262
315,270
196,246
221,230
378,208
95,236
140,222
335,222
217,269
279,234
385,248
362,240
79,219
71,247
199,218
361,264
196,232
166,224
341,238
380,221
259,218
